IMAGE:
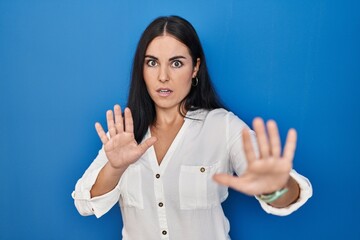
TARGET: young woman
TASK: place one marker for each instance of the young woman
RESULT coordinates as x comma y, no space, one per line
170,157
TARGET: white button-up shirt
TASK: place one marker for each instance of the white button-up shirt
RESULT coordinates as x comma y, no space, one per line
178,199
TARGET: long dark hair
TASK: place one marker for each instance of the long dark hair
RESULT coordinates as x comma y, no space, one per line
202,96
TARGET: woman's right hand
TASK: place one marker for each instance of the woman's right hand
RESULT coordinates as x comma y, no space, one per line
121,147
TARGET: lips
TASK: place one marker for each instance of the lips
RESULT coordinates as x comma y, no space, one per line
164,92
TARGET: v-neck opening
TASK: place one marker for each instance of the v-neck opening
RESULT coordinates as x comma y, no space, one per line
170,151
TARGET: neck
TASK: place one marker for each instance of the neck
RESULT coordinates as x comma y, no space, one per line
167,117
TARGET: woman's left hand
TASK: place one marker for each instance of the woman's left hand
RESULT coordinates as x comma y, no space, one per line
270,171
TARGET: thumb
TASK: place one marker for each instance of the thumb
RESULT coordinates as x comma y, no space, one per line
147,144
229,181
225,179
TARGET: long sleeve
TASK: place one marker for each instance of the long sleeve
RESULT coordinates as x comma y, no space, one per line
305,194
97,205
239,164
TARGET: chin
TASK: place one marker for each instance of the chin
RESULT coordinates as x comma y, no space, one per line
167,106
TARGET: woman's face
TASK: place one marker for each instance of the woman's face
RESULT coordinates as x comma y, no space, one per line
168,71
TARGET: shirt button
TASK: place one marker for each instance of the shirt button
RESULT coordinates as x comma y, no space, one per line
160,204
202,169
164,232
157,175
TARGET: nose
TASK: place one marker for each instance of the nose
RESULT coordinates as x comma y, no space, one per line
163,75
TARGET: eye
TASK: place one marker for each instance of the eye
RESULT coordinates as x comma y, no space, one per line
176,64
151,63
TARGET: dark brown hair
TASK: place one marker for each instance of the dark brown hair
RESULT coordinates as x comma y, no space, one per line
202,96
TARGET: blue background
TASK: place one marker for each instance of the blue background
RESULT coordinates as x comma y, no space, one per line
64,63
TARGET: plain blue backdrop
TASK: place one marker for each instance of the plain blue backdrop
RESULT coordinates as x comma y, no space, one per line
64,63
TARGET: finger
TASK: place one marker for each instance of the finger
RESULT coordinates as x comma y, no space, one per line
119,124
290,145
228,180
100,131
262,139
110,123
248,147
129,124
225,179
145,145
274,138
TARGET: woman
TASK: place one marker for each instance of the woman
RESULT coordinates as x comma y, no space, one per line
170,159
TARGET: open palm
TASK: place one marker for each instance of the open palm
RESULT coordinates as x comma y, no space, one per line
270,170
120,145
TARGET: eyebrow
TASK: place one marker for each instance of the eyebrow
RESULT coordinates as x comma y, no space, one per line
170,59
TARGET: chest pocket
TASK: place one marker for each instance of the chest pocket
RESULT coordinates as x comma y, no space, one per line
131,188
197,190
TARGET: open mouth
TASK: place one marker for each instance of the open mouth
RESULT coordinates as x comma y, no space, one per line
164,92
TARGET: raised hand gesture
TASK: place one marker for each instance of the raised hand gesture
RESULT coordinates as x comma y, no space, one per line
120,146
269,171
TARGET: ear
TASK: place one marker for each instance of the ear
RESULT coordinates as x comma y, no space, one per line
196,68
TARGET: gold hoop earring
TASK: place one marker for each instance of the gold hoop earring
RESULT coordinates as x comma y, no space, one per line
196,82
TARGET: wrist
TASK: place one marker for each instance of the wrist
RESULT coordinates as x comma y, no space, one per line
290,197
115,171
272,197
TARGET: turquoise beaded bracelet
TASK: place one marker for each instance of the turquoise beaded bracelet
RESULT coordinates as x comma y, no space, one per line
269,198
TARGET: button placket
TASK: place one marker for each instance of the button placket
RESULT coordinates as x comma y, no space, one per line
161,209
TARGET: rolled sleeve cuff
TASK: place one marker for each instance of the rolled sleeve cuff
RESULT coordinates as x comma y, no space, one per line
97,205
102,204
306,192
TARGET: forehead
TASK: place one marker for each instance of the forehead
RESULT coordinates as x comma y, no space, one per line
166,45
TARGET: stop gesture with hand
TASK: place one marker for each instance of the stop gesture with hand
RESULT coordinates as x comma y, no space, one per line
269,171
120,146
